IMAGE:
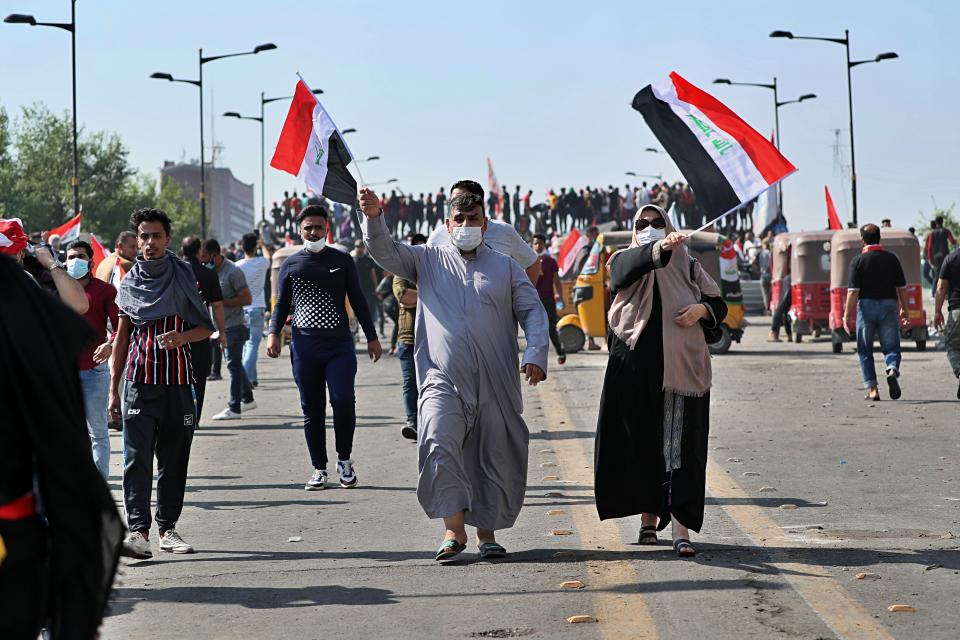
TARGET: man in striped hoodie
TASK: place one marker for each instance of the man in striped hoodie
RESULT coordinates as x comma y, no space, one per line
161,313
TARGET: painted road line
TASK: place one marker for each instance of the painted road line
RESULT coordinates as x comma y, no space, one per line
828,599
620,614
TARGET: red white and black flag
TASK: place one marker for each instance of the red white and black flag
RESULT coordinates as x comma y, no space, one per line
726,162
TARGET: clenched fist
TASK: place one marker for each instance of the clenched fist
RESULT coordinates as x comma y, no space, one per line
369,203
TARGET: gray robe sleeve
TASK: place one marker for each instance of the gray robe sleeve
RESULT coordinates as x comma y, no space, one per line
397,258
530,314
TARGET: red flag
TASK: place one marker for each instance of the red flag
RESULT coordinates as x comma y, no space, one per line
832,218
68,231
495,187
569,249
99,252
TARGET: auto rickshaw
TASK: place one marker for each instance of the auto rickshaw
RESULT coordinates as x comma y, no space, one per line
586,310
846,245
779,267
590,297
810,283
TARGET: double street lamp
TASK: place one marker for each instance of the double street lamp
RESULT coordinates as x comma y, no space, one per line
644,175
263,162
845,41
20,18
199,84
776,116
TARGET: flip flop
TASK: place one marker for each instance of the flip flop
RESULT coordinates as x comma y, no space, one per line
449,549
683,548
872,398
491,551
893,385
648,535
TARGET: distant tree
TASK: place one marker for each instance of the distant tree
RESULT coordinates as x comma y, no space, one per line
36,164
949,221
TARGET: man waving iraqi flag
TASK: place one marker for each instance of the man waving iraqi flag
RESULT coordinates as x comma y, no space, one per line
312,148
725,160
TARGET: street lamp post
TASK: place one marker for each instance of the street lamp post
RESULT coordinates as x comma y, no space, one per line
19,18
644,175
199,84
845,41
776,119
263,161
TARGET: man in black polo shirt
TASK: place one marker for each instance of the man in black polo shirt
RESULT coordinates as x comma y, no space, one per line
876,282
948,288
208,284
161,313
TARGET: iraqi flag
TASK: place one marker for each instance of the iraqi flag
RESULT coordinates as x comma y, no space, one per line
569,250
833,220
68,231
725,160
99,252
312,148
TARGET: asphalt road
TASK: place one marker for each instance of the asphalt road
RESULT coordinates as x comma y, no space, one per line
874,486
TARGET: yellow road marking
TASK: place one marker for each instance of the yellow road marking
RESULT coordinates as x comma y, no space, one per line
620,615
828,599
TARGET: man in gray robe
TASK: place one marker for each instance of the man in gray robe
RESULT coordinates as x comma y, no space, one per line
472,440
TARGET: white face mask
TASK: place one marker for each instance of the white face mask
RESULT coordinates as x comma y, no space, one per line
649,235
315,246
467,238
77,267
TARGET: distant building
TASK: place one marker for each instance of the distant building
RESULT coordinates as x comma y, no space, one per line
230,212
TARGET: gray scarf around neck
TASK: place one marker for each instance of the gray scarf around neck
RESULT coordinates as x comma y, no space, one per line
155,289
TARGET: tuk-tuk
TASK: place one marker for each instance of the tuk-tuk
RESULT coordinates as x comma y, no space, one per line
846,245
779,267
585,312
591,317
810,283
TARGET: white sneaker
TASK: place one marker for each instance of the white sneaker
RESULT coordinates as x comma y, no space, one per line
136,546
248,406
226,414
318,481
348,479
171,542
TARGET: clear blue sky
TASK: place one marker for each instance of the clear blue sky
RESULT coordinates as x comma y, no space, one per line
543,88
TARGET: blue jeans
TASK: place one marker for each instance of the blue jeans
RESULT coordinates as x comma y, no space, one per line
252,345
878,318
409,370
96,388
320,363
239,384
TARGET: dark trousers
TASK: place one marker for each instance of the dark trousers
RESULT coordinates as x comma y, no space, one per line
320,363
156,418
551,308
201,357
217,356
240,387
781,315
23,578
408,368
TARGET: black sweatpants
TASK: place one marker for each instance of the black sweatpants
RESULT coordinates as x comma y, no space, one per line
161,418
23,578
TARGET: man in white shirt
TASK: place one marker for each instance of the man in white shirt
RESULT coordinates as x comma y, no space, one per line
499,236
255,268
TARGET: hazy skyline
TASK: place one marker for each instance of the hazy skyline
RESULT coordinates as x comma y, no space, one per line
544,89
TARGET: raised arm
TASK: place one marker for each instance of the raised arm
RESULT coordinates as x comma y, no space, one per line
395,257
632,264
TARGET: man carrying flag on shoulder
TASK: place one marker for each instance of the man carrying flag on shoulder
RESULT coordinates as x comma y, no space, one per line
120,261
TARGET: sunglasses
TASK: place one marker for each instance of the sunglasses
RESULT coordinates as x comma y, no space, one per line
642,223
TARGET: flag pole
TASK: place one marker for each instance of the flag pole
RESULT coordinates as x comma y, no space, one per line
726,213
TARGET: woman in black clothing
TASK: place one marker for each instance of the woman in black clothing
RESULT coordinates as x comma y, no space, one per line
651,444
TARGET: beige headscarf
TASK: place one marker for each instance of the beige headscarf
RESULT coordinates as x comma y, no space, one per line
686,359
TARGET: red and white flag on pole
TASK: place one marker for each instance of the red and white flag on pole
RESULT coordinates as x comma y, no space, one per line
725,160
832,218
68,231
312,148
99,252
569,249
495,187
117,274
